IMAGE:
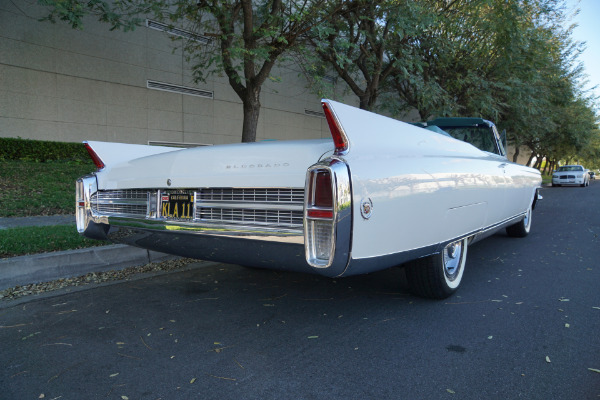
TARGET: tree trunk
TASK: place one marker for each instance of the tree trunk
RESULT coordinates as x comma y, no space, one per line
364,102
546,167
530,159
538,162
251,104
516,155
367,100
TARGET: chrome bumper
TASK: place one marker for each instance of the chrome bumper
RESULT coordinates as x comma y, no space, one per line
279,247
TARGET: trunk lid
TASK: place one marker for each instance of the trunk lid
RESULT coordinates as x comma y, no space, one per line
261,164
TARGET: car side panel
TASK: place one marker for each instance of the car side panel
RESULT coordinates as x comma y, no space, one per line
425,188
419,204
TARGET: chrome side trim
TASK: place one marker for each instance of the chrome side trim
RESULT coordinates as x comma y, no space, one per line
490,230
503,224
359,266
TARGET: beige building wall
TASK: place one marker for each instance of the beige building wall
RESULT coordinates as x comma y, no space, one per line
61,84
524,154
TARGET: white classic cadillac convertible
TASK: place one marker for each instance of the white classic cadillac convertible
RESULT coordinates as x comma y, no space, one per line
382,193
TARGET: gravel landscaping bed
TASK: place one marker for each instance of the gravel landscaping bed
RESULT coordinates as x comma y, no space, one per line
94,278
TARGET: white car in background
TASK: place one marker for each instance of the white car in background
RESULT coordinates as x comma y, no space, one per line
382,193
574,175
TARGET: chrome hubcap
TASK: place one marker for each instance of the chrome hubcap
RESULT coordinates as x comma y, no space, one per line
527,218
452,258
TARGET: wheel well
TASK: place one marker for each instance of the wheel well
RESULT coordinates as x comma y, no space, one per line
535,198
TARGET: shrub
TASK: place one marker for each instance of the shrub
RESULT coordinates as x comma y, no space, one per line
41,150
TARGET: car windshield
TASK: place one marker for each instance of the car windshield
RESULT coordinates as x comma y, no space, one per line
481,137
570,168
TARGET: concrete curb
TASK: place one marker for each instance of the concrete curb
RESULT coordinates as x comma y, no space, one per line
37,268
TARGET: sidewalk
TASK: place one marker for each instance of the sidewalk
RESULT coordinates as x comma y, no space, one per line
36,268
16,222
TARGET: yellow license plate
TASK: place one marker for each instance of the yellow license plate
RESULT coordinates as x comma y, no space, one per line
177,205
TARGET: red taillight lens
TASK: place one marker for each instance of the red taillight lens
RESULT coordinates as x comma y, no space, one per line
320,203
328,214
339,138
323,194
95,158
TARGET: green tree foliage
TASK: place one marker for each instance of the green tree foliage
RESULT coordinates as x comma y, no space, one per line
362,43
510,61
452,54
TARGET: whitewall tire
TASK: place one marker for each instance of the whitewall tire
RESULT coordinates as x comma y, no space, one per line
438,276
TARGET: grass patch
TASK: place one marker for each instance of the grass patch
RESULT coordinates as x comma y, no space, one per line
41,239
546,179
32,188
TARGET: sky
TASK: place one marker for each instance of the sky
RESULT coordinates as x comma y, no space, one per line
588,30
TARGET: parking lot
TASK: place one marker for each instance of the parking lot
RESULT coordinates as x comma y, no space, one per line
525,324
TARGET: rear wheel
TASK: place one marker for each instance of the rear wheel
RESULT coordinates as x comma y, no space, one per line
438,276
521,228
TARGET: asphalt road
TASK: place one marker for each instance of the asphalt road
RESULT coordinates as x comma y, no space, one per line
525,324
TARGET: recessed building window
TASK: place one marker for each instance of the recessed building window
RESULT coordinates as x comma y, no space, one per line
168,87
314,113
171,30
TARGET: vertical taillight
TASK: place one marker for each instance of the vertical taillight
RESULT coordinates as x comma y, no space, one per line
320,213
84,188
321,202
340,139
80,205
95,158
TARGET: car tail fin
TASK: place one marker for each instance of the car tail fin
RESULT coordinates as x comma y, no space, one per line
95,158
106,153
340,139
